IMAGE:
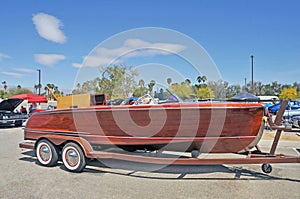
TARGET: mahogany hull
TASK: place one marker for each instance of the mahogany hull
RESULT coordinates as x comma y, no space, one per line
212,128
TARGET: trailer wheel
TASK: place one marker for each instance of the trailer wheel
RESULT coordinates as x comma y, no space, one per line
46,153
195,153
266,168
73,157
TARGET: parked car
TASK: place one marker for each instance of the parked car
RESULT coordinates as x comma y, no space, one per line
292,105
9,116
292,117
296,121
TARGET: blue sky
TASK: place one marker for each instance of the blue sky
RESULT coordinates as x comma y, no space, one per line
55,36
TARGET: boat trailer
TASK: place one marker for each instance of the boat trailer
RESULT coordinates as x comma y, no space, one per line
251,157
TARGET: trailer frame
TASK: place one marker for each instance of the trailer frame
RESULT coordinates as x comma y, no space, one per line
251,157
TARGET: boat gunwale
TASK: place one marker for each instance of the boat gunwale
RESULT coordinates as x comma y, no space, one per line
83,134
155,107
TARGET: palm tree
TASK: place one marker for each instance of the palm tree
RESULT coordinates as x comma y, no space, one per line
56,91
141,83
39,87
259,89
297,86
36,87
201,79
4,86
169,81
151,85
46,90
187,82
204,78
276,87
78,86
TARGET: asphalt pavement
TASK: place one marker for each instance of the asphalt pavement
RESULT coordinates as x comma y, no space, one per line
22,177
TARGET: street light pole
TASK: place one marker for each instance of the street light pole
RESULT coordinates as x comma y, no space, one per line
252,57
39,70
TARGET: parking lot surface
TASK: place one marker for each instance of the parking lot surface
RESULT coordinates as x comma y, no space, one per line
22,177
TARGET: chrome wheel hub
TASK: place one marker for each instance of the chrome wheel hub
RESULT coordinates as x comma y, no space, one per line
72,158
45,153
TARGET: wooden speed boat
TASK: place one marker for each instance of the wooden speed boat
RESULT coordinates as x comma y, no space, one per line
81,133
206,127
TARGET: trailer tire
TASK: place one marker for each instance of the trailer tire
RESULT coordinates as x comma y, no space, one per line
266,168
195,153
46,153
73,157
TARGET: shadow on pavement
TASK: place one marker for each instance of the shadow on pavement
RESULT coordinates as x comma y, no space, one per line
169,172
183,172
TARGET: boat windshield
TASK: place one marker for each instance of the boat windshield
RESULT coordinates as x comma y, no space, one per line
166,96
160,97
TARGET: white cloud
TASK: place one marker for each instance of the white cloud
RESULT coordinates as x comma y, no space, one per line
48,59
24,70
48,27
16,75
130,48
3,56
77,65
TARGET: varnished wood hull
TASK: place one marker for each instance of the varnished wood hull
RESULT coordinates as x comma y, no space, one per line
181,127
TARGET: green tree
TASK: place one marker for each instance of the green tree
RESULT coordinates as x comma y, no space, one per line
233,90
297,86
16,91
117,81
276,87
268,89
53,88
2,94
205,93
182,90
288,93
258,88
219,88
141,90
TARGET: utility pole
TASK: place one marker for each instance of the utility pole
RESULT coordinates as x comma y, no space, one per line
252,81
39,70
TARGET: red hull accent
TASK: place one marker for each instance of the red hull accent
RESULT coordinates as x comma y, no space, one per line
212,127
